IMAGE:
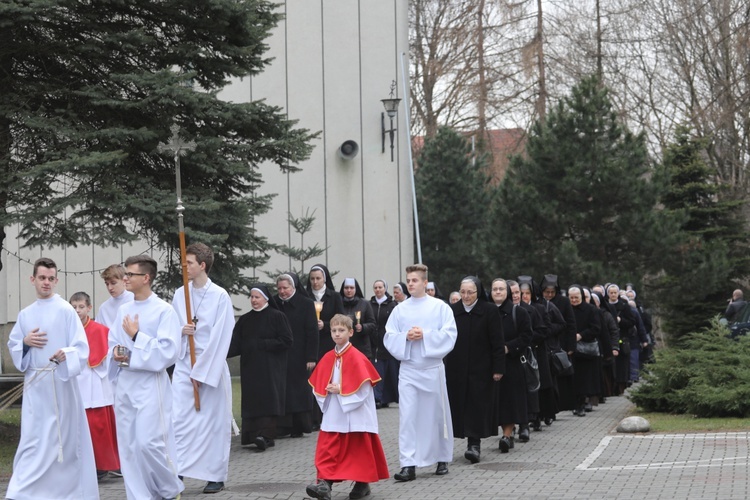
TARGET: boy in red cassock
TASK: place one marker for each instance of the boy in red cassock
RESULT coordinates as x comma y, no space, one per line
348,448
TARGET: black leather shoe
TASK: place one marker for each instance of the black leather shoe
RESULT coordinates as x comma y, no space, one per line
523,435
407,474
588,407
548,421
536,424
472,453
213,487
442,469
321,489
360,490
504,444
261,443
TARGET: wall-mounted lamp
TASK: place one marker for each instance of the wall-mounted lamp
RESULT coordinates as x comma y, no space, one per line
391,108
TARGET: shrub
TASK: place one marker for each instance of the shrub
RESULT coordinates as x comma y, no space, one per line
707,376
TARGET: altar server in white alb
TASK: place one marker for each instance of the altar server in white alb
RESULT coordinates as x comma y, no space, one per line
113,277
149,329
420,332
54,458
203,437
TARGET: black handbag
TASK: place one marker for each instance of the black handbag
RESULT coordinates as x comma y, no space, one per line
587,349
560,363
530,370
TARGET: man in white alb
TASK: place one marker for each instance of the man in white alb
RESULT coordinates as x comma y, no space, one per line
203,437
420,332
149,329
54,458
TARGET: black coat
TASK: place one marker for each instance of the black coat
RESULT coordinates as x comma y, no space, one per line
568,337
262,338
361,340
300,312
539,341
332,306
586,375
479,353
382,312
510,406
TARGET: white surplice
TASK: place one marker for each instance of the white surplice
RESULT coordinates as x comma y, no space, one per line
55,458
351,413
203,437
143,399
425,429
108,310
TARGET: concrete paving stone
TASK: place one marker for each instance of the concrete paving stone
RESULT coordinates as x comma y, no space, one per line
574,458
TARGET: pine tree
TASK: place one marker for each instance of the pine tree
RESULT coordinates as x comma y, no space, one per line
87,92
711,255
299,254
452,197
581,201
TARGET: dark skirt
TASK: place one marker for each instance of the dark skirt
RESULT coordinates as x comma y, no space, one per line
587,375
386,391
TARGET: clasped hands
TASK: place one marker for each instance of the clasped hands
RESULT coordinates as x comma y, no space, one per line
415,333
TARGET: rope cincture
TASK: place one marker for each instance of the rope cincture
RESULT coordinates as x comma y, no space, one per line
14,394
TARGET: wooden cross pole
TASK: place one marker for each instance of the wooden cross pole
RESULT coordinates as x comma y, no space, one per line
179,147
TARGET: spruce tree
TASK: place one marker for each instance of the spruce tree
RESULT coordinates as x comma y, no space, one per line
710,258
452,197
581,202
87,92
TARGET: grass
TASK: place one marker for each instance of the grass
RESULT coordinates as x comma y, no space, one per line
669,423
10,431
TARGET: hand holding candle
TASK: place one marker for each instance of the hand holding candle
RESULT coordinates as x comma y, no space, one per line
358,315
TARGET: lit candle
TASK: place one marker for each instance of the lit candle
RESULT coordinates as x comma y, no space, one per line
318,308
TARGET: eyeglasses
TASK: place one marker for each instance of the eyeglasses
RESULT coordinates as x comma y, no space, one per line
130,275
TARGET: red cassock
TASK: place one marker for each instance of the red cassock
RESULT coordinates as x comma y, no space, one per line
101,419
348,456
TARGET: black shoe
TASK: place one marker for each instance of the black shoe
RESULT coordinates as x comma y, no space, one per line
580,412
263,443
296,434
523,435
472,453
378,405
512,442
101,474
213,487
320,489
407,474
588,408
548,421
360,490
442,469
505,444
115,473
536,424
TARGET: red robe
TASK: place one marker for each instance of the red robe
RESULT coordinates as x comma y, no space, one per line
348,456
102,419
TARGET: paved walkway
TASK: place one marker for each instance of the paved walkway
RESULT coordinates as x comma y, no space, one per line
574,458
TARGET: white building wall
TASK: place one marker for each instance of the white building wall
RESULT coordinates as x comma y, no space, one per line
333,61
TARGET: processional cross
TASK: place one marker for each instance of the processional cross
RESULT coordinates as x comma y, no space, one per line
180,147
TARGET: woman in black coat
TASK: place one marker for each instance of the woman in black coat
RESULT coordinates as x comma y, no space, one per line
586,376
511,402
477,359
625,318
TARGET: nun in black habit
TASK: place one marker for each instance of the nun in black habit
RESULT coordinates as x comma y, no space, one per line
586,375
382,304
262,338
511,403
567,339
473,367
320,289
400,292
363,319
299,309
